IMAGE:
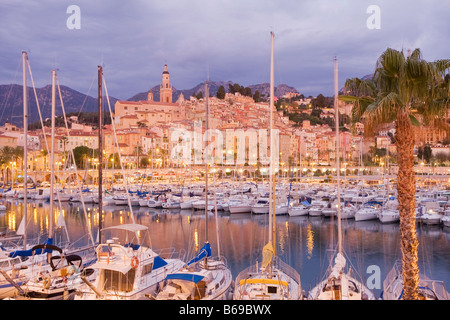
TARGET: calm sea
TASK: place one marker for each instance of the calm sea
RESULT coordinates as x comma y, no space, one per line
305,243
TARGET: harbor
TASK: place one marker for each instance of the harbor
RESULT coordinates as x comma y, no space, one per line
304,242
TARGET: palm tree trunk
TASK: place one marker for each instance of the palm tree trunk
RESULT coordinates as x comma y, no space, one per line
406,197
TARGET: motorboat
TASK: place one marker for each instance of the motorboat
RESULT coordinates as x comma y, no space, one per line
128,268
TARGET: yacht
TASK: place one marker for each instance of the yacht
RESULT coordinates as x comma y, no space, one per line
367,212
261,206
127,268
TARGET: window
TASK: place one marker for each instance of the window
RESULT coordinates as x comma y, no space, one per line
271,289
117,281
147,268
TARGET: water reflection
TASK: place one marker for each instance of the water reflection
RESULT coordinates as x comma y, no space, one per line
304,242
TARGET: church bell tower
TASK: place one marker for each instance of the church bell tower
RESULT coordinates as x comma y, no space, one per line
165,91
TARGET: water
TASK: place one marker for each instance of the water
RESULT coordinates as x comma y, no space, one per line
303,242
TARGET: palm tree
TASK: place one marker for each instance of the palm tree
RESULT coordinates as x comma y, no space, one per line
6,156
409,91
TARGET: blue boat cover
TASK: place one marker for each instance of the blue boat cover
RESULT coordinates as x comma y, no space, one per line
158,262
205,251
185,276
29,252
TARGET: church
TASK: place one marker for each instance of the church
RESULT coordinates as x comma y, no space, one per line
146,113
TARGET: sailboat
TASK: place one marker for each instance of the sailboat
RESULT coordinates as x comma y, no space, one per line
273,279
127,268
428,289
16,263
203,277
339,283
56,278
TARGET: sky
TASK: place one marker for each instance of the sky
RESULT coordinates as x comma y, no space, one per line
223,40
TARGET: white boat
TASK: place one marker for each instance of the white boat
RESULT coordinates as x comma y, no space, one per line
240,206
59,282
143,201
338,282
316,208
431,218
261,206
367,212
127,268
186,203
348,211
330,210
428,289
201,204
445,220
154,203
278,282
14,273
272,279
281,208
171,204
203,278
340,285
297,209
121,199
389,215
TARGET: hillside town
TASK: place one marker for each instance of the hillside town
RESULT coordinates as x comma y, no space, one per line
146,134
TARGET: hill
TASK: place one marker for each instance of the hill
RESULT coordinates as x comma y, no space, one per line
11,99
263,89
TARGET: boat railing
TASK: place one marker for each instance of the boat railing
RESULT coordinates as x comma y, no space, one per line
171,253
393,274
277,263
436,287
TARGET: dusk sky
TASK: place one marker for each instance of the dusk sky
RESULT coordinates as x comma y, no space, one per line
227,39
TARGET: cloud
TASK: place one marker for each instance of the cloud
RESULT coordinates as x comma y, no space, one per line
229,40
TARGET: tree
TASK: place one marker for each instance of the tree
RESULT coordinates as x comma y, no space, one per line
257,96
404,90
320,102
81,153
221,93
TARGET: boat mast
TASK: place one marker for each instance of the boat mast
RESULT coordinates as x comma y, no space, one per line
52,156
100,154
206,166
25,137
336,115
272,147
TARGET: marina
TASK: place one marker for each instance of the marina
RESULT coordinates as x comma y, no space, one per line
305,242
251,236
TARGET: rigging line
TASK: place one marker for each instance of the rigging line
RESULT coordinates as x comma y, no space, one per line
38,107
87,95
10,88
118,150
74,163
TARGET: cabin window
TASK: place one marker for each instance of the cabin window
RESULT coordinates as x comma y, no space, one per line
4,264
147,268
271,289
117,281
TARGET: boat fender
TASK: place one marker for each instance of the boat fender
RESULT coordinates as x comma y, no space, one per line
47,281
